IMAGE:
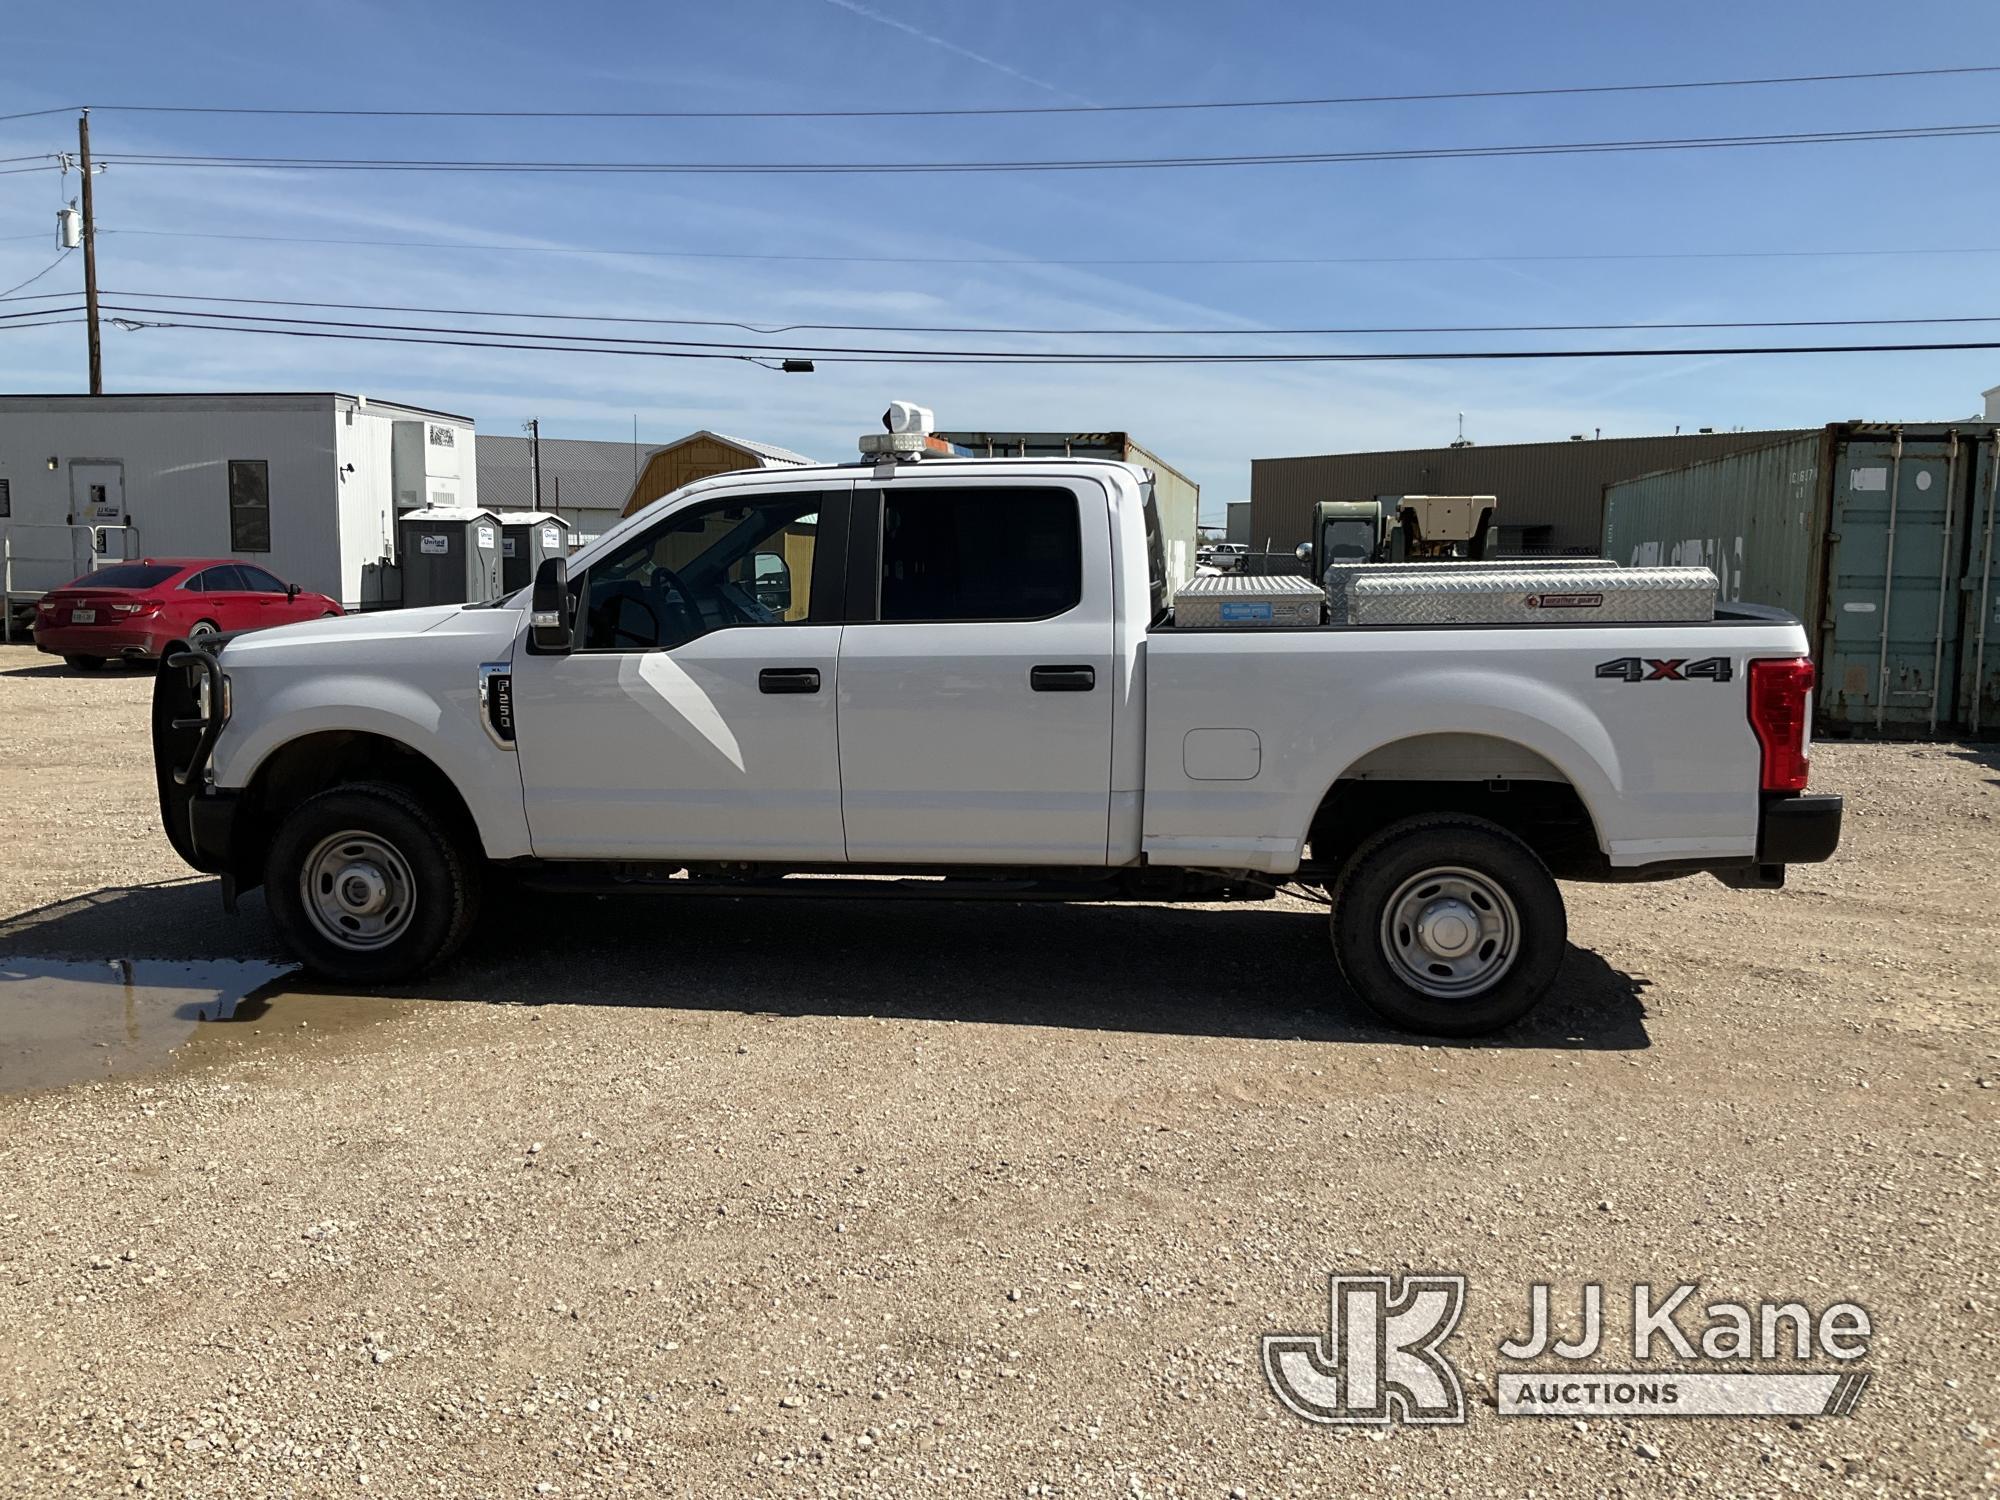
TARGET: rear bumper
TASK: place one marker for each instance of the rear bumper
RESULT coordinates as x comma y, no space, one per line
1798,830
96,640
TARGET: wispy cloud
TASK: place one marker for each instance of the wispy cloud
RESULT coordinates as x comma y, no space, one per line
955,49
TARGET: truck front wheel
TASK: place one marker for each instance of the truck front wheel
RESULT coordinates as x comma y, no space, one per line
1448,925
366,887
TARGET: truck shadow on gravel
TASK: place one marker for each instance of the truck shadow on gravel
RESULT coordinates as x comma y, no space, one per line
1257,970
1986,755
51,669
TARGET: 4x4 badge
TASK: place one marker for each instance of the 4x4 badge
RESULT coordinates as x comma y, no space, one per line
1667,669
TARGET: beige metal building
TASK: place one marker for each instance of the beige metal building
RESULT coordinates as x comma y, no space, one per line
1551,494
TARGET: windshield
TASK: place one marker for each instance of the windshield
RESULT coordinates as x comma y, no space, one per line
125,576
1348,541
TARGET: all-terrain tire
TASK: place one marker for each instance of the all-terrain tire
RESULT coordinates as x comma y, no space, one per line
1448,924
375,840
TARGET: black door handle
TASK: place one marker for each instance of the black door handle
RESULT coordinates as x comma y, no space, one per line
788,680
1062,679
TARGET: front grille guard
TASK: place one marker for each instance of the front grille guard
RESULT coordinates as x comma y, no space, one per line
210,721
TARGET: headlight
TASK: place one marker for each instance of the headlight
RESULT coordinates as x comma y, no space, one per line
202,696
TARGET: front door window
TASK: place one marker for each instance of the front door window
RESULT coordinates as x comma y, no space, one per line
710,567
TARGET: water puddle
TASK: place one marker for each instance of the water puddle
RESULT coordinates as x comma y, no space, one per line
71,1022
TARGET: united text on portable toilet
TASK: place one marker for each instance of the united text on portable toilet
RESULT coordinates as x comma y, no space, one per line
448,555
527,539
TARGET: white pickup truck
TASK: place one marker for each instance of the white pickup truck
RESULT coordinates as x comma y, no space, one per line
968,671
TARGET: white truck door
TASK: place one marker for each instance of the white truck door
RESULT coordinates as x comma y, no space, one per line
695,718
976,679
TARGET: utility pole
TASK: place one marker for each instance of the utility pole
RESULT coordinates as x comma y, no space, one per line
90,259
534,426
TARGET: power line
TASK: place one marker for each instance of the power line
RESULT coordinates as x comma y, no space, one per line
1211,332
1036,109
37,276
132,325
1104,164
947,357
1016,260
45,323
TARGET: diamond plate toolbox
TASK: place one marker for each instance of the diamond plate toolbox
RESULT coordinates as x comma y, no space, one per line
1530,596
1339,575
1242,601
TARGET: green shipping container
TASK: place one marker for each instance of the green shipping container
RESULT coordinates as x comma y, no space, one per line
1879,537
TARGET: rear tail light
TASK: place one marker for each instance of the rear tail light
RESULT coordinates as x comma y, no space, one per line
147,608
1781,718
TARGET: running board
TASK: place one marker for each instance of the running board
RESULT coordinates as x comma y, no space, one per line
1141,884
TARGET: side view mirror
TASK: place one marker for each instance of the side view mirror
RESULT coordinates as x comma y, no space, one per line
771,581
1304,552
549,625
291,591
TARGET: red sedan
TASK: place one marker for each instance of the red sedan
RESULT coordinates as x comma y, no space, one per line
136,610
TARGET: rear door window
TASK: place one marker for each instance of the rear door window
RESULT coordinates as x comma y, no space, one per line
980,554
227,579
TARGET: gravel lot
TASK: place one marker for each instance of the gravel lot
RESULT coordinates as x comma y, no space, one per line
760,1197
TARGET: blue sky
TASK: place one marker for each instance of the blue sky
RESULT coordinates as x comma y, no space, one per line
835,54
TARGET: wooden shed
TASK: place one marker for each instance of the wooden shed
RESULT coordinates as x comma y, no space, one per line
700,455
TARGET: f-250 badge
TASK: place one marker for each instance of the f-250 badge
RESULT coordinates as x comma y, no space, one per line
1668,669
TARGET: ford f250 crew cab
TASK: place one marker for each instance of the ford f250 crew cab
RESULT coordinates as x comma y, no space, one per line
969,671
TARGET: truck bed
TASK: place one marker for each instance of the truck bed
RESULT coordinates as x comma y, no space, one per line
1247,730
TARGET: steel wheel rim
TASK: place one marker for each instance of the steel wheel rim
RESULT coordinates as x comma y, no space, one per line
202,627
1450,933
358,891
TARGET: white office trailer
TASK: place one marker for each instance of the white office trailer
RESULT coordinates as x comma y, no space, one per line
307,485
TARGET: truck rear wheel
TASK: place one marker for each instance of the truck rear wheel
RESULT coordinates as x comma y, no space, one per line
366,887
1448,925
